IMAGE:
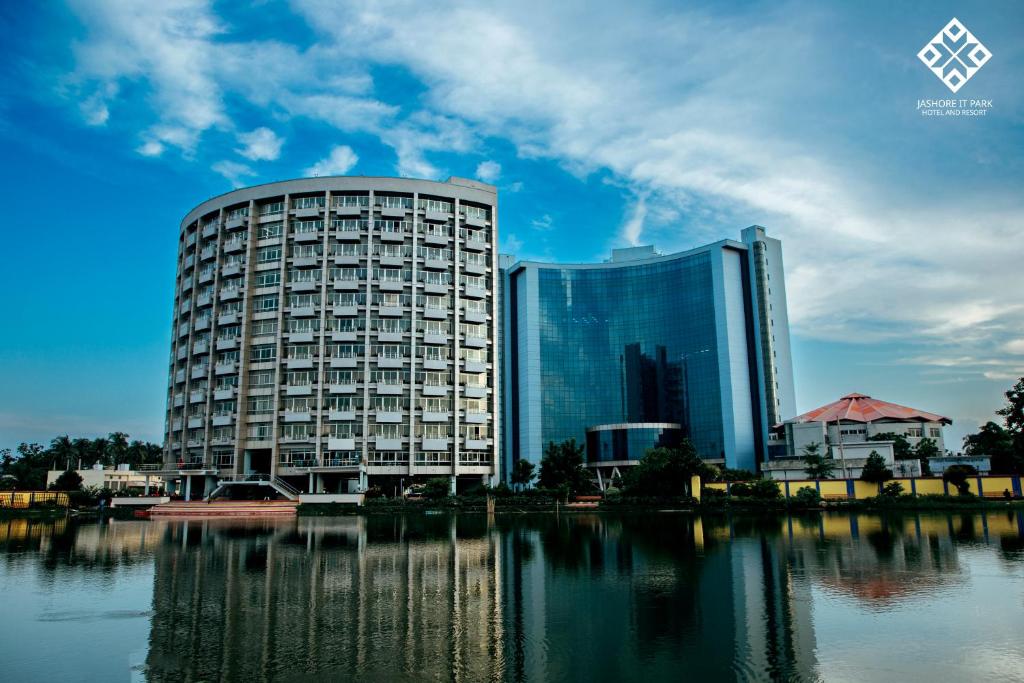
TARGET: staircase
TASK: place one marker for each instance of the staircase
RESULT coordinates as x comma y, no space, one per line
276,483
228,508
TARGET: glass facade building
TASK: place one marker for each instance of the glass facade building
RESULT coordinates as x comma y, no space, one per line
699,338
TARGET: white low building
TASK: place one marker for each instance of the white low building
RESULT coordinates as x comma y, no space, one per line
846,430
120,478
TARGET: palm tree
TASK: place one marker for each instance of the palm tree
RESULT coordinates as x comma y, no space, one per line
63,451
522,473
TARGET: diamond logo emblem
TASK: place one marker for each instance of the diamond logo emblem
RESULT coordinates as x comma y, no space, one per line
954,55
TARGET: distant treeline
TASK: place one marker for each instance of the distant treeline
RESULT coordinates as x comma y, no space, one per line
26,467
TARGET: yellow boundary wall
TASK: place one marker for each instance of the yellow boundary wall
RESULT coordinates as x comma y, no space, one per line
853,489
20,500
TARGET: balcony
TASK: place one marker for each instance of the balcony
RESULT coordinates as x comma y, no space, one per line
203,300
474,342
474,268
393,211
436,216
346,285
176,425
436,264
226,368
383,362
297,416
435,417
183,329
474,317
226,319
230,294
300,337
206,275
434,444
298,390
474,221
304,286
346,311
199,371
305,261
299,363
386,260
308,236
476,418
195,422
197,396
201,347
231,270
342,389
234,245
210,230
301,311
343,362
435,313
186,286
345,336
224,394
227,343
390,311
234,223
202,323
347,260
475,444
207,253
473,292
348,210
434,364
308,211
472,244
223,420
348,235
334,444
388,417
182,353
179,376
434,338
384,444
341,416
435,240
474,392
389,336
435,288
474,366
389,389
190,261
435,389
178,400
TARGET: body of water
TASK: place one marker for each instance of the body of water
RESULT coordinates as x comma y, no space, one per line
584,597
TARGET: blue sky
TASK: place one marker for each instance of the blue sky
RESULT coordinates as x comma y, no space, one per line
602,124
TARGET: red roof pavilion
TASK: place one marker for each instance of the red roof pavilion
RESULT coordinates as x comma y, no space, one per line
861,408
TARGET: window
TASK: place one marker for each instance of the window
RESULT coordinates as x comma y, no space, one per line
227,382
303,227
341,403
303,325
344,350
436,205
260,432
435,352
298,404
299,378
300,351
297,432
472,431
303,300
262,327
348,249
349,224
392,226
227,357
268,278
340,377
473,405
268,254
430,430
265,303
934,432
389,376
240,212
391,350
307,202
271,208
261,378
436,378
346,324
345,298
224,408
307,250
388,404
434,253
262,353
350,200
298,458
260,405
435,404
390,202
389,431
345,430
914,431
304,275
269,230
474,355
435,326
475,212
431,277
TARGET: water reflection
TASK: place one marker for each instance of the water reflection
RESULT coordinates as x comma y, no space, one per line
532,598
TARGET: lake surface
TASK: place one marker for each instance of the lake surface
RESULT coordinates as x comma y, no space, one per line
588,597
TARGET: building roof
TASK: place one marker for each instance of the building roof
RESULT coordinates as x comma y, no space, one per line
861,408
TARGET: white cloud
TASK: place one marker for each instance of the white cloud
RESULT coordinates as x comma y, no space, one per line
488,171
1015,346
543,224
150,148
339,162
233,171
261,144
634,225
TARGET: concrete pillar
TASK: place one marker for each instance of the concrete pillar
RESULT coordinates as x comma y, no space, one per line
310,488
188,487
453,486
147,484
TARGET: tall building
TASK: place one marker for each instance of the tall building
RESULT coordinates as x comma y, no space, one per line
696,341
332,334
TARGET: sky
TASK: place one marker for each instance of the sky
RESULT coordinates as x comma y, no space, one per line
602,124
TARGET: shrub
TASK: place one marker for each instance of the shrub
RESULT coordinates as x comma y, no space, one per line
893,489
437,488
957,476
765,489
612,493
807,496
875,470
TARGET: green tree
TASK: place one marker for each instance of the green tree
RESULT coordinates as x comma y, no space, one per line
1013,417
522,473
957,476
995,441
816,465
62,450
437,488
68,481
562,467
925,450
117,448
664,472
875,470
901,448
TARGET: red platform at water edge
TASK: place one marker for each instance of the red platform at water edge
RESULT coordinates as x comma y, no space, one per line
226,508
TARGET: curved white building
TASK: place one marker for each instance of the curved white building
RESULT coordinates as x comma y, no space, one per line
333,334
